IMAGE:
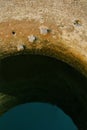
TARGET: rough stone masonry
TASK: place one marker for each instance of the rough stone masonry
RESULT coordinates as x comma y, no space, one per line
55,28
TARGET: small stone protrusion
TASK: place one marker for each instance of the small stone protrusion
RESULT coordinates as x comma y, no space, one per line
20,47
77,22
44,30
31,38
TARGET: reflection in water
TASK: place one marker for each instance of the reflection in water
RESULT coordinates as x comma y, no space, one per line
36,116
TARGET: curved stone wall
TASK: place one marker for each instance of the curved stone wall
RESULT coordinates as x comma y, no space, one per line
35,78
54,28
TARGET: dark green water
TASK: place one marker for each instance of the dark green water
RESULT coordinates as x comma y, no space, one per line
36,116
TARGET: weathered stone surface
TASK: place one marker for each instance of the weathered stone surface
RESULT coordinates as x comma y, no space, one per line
65,29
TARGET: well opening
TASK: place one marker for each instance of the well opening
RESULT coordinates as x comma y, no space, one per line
35,78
